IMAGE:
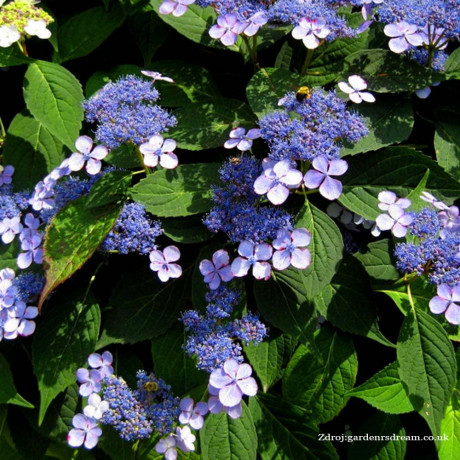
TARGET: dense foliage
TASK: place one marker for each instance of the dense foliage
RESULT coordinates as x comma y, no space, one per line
212,211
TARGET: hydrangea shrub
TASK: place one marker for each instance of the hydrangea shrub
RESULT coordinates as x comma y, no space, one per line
210,212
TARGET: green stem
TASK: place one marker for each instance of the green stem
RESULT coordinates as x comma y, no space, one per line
409,294
91,281
308,58
2,129
142,171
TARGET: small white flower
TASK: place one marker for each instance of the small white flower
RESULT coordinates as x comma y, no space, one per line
38,28
9,34
355,89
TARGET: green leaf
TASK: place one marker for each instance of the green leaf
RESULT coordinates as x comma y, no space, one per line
268,86
173,365
447,146
422,292
124,157
378,261
7,447
115,447
111,187
100,78
9,254
183,191
8,392
142,307
54,97
12,56
283,303
387,72
86,31
187,230
320,382
284,433
223,437
398,169
385,447
74,234
268,357
149,33
337,302
58,420
388,121
67,335
206,125
427,366
450,428
385,391
328,62
452,66
326,249
31,149
194,24
192,83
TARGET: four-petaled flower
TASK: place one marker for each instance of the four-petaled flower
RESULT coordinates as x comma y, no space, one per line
227,29
192,415
167,446
9,228
6,175
96,407
161,263
9,34
254,23
102,363
175,7
355,89
403,36
85,432
90,381
311,32
448,301
156,76
388,199
254,255
242,140
37,27
19,321
217,270
159,149
216,407
320,176
396,220
84,154
233,381
185,439
291,249
276,180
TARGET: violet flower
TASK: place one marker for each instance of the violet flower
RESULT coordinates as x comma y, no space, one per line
233,381
85,432
448,301
90,381
19,321
403,36
161,262
159,149
396,220
175,7
84,154
319,177
311,32
102,363
193,415
96,407
242,140
276,180
6,175
255,256
227,29
291,249
388,199
216,271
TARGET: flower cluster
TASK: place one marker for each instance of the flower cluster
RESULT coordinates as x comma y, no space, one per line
434,247
125,111
134,414
133,231
422,29
212,336
20,19
314,22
